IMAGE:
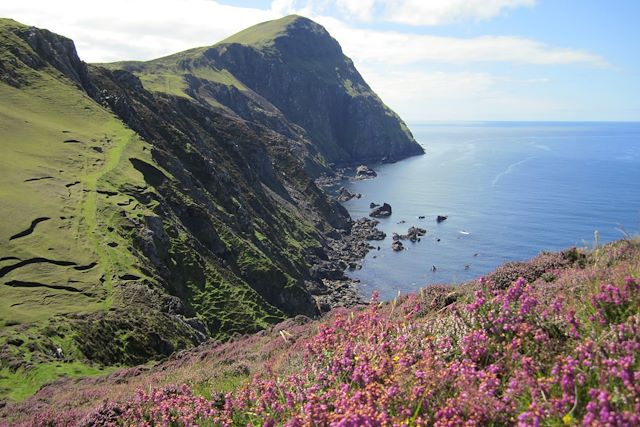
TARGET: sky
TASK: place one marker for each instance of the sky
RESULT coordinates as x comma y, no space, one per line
576,60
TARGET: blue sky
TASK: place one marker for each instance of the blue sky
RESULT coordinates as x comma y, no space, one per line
427,59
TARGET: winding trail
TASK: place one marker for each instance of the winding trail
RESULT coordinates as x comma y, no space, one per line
90,210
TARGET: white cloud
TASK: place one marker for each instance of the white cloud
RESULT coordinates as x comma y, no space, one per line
417,95
365,45
421,76
360,9
398,86
438,12
411,12
144,29
135,29
282,7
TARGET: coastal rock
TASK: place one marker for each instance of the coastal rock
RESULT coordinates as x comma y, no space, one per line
316,288
376,235
441,218
413,234
339,293
366,229
345,195
326,270
364,172
346,251
373,205
381,211
397,246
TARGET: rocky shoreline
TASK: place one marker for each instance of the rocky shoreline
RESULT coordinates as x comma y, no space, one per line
345,251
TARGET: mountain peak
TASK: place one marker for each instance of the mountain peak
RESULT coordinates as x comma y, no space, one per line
267,33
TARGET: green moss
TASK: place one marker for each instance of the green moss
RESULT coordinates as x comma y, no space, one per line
168,83
215,75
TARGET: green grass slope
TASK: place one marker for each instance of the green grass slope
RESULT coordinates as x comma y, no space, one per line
167,74
263,34
63,159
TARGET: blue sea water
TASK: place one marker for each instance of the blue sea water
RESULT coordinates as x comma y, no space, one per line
510,190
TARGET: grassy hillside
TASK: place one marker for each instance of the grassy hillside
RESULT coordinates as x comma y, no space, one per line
136,224
168,74
561,348
64,159
64,162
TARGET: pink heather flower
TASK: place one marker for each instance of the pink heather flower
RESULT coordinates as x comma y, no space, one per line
479,301
474,345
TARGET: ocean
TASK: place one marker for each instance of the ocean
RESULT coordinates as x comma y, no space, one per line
509,189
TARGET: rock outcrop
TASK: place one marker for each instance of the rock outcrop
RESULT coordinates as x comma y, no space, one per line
413,234
381,211
397,246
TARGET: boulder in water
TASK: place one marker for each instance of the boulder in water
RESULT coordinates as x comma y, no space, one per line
381,211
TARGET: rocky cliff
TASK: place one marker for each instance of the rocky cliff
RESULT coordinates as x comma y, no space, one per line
149,206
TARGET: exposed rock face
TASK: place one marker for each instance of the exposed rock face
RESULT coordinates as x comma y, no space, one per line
345,253
354,245
364,172
366,229
381,211
46,49
441,218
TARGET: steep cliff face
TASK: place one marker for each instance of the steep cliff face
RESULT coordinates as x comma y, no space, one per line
289,74
300,68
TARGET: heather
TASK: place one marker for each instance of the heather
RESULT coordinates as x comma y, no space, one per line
559,349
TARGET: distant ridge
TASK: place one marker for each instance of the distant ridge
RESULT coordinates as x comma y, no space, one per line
292,75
